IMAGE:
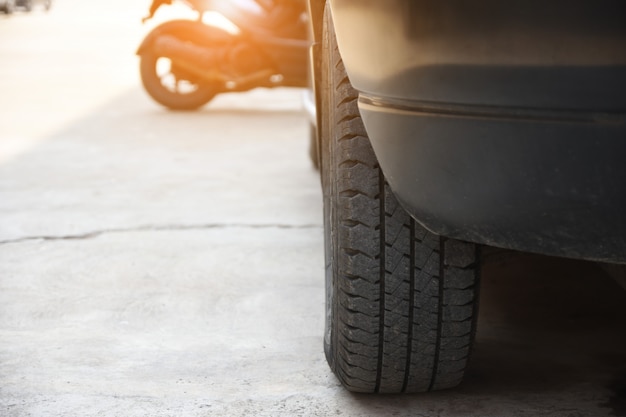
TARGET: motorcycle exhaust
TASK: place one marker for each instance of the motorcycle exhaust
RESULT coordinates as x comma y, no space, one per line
208,63
177,50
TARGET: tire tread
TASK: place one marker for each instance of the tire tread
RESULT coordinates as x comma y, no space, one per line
405,299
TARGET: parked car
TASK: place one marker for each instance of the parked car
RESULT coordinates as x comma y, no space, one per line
444,127
7,6
28,5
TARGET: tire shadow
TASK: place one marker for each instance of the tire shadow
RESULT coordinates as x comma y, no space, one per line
547,324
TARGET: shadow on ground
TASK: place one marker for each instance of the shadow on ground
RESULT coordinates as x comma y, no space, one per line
551,341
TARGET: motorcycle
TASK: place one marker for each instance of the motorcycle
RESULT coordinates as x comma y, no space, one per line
186,63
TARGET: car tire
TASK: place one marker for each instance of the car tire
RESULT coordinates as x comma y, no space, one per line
401,302
313,148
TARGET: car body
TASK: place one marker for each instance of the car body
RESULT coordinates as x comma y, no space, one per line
501,124
444,127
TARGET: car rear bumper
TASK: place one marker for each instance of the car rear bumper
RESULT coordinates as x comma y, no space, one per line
496,123
552,185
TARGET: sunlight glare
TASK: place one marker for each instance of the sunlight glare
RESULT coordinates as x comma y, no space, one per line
218,20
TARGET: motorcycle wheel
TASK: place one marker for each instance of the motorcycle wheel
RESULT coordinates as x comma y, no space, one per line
173,87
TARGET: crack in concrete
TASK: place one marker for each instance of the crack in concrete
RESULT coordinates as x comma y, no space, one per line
160,228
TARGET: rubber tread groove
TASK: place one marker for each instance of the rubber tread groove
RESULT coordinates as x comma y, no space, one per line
409,347
382,231
439,315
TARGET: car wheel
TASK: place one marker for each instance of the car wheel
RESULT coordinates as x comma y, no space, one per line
401,302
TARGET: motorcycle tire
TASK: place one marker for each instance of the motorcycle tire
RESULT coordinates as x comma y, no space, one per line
169,96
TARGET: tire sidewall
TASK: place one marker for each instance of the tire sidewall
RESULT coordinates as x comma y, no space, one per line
329,188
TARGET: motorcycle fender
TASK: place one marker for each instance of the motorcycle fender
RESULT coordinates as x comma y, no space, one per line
197,32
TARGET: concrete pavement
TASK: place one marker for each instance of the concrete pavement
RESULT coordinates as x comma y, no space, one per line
171,264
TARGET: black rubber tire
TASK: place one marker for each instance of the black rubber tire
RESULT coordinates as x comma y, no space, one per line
401,302
313,148
171,99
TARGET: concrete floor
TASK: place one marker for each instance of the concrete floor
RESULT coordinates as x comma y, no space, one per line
168,264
